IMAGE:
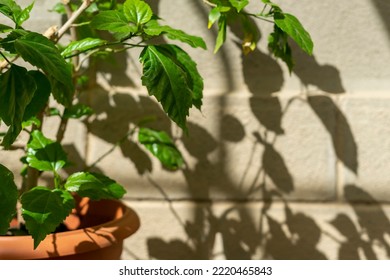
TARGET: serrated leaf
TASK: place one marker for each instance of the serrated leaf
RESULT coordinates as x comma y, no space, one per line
214,16
8,198
161,146
41,95
42,53
221,37
152,28
82,46
44,209
17,88
113,21
77,111
137,11
292,26
167,78
8,43
95,186
45,154
239,4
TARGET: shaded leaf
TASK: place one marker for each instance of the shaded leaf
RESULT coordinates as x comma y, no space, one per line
161,146
277,43
5,28
169,75
95,186
41,95
77,111
44,154
8,198
16,91
41,52
44,209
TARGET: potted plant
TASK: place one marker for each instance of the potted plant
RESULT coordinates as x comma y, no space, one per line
41,219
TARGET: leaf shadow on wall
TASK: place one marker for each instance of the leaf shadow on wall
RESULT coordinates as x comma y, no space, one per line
383,9
371,231
116,114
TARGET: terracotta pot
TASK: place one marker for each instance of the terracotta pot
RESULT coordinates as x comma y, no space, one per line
98,229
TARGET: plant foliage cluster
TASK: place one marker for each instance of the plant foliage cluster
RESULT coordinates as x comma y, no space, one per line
56,72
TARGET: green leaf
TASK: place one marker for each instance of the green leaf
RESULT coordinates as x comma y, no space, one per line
137,11
161,146
113,21
221,37
168,74
42,53
82,46
44,209
239,4
62,90
31,121
9,196
45,154
95,186
152,28
214,15
41,95
77,111
17,88
8,43
291,25
5,28
278,44
24,14
10,9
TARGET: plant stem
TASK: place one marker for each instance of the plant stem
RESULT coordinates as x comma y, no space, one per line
72,19
5,58
207,2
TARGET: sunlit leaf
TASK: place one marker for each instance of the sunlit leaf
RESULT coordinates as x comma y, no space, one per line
292,26
95,186
137,11
45,154
44,209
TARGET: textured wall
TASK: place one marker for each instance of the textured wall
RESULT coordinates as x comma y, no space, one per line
278,165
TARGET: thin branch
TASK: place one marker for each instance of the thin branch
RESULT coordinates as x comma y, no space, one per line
72,19
209,3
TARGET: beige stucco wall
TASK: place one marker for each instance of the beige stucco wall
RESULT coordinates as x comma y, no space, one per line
278,165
